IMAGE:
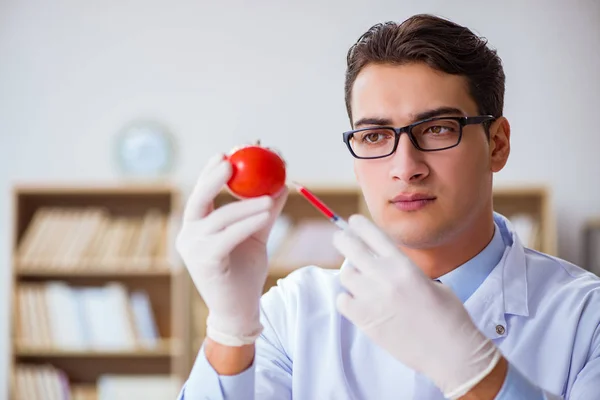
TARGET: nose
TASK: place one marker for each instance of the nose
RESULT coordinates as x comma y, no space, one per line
407,162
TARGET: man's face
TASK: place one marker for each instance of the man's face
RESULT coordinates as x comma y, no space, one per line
457,181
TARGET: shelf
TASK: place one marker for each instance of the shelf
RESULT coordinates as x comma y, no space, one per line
165,348
591,244
157,265
89,391
87,370
519,190
91,273
593,223
280,270
73,189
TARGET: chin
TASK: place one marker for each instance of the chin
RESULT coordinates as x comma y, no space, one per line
415,238
417,230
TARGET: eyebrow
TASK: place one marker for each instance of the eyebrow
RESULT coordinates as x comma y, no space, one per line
436,112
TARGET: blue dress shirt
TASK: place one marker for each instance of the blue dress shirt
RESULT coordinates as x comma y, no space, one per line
542,312
465,279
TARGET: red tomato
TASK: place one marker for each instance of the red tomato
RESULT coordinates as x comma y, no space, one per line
257,171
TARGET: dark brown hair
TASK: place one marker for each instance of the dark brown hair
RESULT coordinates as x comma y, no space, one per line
439,43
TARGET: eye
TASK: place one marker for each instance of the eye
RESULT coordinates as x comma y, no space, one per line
438,130
374,137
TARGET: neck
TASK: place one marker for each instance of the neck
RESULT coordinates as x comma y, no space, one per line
439,260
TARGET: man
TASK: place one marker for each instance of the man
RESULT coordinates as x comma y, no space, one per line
437,296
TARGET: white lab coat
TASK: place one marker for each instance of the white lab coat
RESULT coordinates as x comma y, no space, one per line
542,312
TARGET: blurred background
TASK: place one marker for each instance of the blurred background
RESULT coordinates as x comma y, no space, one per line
98,99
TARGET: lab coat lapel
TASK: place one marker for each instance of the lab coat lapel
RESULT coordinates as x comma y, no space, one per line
505,289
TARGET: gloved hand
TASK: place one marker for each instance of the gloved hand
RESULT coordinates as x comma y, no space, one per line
225,253
418,321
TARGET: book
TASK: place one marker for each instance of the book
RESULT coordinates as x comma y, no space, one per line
57,316
90,238
47,382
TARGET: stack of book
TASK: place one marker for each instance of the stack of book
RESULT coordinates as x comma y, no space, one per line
79,238
45,382
56,316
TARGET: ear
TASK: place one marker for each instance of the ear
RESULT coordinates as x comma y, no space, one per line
499,143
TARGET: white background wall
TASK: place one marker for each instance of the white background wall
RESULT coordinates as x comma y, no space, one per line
220,73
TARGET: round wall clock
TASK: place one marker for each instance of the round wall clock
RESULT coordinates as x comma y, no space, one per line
145,149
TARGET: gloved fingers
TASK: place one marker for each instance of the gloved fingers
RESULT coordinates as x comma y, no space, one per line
374,237
212,178
356,283
353,309
279,200
233,212
343,303
354,249
211,164
234,234
278,203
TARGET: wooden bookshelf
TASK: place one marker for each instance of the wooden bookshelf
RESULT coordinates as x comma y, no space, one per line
83,256
533,202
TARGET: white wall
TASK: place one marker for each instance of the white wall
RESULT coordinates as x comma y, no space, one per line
220,73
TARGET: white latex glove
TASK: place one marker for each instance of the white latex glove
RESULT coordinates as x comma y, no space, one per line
418,321
225,253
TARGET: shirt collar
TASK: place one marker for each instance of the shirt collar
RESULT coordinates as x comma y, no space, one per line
465,279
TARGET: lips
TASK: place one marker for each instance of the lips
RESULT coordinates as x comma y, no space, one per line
406,197
412,201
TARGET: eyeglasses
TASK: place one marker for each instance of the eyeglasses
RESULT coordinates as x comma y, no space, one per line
433,134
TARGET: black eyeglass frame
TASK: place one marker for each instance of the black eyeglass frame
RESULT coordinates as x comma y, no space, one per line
462,121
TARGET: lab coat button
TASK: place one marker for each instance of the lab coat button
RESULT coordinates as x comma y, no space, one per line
500,330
